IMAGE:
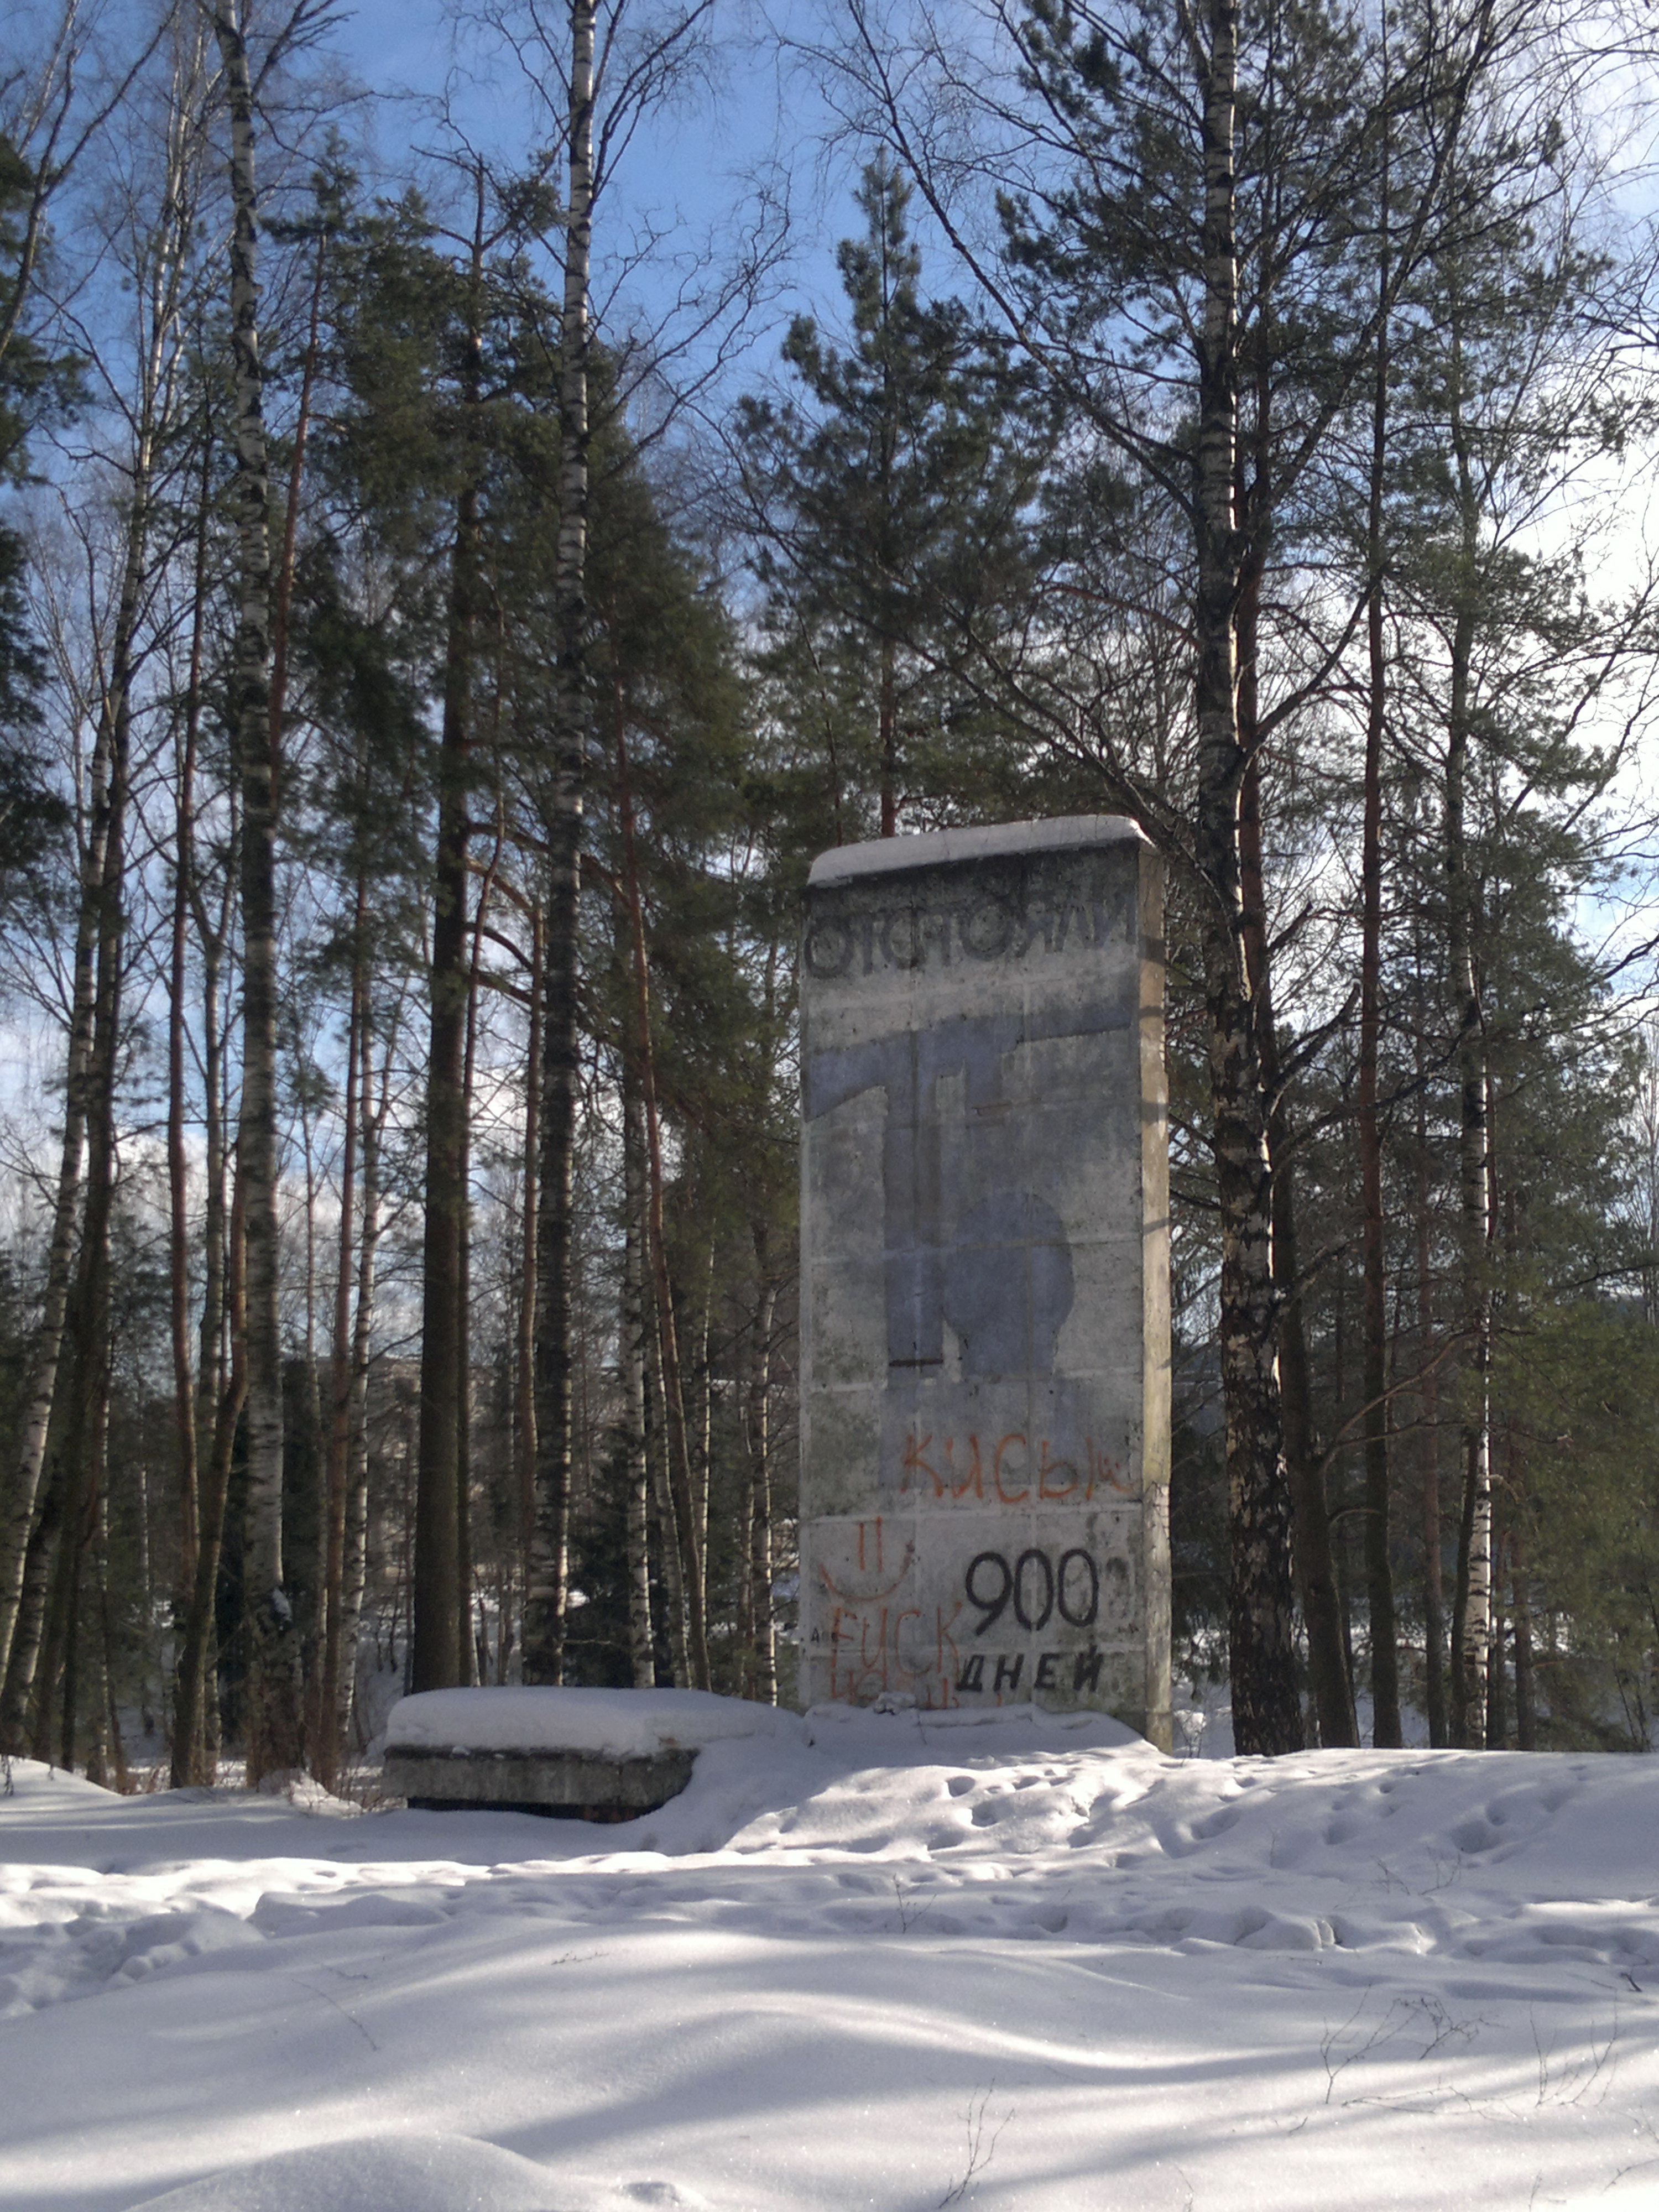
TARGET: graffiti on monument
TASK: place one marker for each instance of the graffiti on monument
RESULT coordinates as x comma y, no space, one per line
1075,1593
982,928
988,1258
999,1269
973,1061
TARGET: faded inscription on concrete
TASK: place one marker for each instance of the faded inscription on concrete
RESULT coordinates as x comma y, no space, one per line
985,1265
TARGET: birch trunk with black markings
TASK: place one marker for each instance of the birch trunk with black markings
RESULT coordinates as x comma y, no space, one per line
274,1710
548,1591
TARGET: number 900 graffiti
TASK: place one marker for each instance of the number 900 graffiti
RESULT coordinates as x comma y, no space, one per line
1037,1586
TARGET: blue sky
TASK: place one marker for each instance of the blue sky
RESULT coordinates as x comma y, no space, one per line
691,173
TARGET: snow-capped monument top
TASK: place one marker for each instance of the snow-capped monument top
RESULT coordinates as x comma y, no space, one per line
989,841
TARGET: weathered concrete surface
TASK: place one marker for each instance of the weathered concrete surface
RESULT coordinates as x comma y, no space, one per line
984,1326
578,1785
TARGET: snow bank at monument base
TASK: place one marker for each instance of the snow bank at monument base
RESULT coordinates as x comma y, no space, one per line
862,1961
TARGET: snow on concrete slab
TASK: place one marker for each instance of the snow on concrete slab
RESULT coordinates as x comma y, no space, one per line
603,1723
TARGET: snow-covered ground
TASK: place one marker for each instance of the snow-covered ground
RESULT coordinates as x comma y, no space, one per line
859,1963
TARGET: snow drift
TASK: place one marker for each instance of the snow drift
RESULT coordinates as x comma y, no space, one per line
865,1960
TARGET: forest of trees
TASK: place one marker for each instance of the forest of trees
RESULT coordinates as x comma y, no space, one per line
423,686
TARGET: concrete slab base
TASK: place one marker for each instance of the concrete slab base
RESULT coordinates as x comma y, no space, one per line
565,1785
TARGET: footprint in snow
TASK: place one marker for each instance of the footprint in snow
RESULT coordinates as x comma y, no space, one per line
1472,1837
1217,1823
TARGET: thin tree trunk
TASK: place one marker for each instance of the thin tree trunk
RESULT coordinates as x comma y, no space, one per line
56,1669
24,1488
107,1762
16,1701
216,1209
96,1649
887,717
62,1673
1498,1700
468,1625
439,1659
274,1710
545,1606
326,1736
762,1649
1266,1713
702,1454
1471,1607
284,590
82,1642
681,1474
1498,1208
1526,1687
1329,1680
195,1734
184,1374
195,1729
144,1549
1434,1617
1329,1677
88,1446
304,1486
890,529
316,1630
524,1373
355,1548
662,1499
636,1233
1379,1574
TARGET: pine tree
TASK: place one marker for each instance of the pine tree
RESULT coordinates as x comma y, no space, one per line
889,497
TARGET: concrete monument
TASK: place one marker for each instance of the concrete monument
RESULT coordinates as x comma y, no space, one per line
985,1327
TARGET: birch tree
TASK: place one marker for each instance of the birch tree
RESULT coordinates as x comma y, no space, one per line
275,1729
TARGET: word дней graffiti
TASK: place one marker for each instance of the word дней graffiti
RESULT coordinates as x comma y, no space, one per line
978,929
1085,1671
883,1648
1008,1470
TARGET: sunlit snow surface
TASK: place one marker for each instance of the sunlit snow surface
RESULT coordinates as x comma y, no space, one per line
864,1964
